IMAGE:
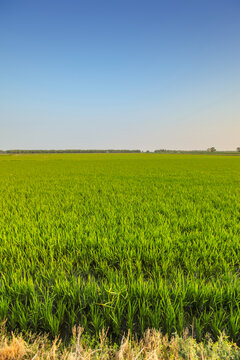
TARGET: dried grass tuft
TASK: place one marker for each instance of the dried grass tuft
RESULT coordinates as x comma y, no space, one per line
153,346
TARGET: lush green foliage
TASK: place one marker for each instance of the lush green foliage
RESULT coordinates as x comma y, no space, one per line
125,241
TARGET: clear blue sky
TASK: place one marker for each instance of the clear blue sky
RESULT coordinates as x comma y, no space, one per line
119,74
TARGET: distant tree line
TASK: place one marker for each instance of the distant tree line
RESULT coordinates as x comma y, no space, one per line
71,151
166,151
209,150
112,151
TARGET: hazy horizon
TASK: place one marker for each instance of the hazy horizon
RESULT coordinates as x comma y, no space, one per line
120,75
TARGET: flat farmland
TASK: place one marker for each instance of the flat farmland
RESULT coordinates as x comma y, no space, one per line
120,241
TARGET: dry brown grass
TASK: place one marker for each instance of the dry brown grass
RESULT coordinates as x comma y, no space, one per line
13,350
153,346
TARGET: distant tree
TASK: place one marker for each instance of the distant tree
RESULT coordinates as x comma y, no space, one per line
160,151
211,149
238,149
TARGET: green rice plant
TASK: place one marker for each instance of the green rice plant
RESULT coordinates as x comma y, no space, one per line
120,241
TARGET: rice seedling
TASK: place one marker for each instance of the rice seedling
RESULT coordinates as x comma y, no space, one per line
121,242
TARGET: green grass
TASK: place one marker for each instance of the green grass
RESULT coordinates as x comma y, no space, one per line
120,241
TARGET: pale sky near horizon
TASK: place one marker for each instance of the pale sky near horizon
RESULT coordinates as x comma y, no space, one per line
124,74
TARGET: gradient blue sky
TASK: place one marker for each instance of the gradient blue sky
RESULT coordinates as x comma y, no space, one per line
119,74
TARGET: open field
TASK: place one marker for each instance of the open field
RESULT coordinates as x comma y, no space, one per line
120,241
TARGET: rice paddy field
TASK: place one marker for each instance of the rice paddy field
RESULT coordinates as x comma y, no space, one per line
121,242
